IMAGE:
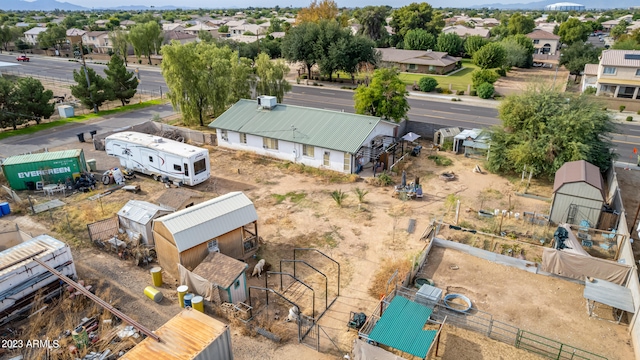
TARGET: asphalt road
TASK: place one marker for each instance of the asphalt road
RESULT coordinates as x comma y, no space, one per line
438,112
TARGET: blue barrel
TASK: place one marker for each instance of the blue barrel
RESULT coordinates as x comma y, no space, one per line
187,300
4,208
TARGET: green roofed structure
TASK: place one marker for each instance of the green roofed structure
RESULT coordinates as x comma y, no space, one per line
32,171
327,139
401,327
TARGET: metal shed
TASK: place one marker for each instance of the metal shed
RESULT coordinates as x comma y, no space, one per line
190,335
440,135
227,273
578,194
228,224
136,216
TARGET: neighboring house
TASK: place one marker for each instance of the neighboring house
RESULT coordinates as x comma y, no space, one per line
544,42
98,41
618,74
195,30
590,76
419,61
125,24
325,139
136,216
608,25
578,194
234,23
490,22
31,35
464,31
22,24
75,35
181,37
227,224
278,34
101,22
179,198
227,274
248,39
244,28
173,27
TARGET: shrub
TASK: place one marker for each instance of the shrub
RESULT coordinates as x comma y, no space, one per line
622,107
501,72
629,118
338,196
460,92
473,93
439,90
447,144
303,76
427,84
361,193
590,90
441,160
385,179
479,77
446,91
604,108
638,112
485,91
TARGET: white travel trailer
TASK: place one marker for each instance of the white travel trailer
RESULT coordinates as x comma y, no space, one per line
159,157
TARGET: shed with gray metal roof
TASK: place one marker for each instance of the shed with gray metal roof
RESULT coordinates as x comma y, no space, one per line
136,216
227,224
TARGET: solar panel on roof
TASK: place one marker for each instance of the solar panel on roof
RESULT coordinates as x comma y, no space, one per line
632,56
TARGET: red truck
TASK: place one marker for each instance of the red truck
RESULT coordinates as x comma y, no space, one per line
22,58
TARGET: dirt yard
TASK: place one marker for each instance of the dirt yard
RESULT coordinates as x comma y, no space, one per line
297,210
517,80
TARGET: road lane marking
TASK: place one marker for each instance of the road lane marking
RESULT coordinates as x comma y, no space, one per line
460,109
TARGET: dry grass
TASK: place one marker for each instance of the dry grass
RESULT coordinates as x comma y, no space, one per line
385,271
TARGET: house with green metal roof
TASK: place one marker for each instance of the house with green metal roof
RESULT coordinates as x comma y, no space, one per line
320,138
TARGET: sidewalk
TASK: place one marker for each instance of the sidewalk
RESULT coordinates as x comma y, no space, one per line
621,117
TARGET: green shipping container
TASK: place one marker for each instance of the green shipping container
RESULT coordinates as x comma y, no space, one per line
24,171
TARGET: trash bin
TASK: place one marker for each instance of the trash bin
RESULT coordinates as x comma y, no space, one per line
80,137
91,164
93,132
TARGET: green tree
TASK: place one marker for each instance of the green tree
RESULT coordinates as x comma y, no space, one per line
543,128
31,99
626,44
572,31
8,116
619,29
427,84
385,97
576,56
515,54
327,47
275,25
479,77
485,90
52,37
490,56
352,51
241,74
200,78
123,83
372,20
205,36
474,43
271,77
296,45
223,29
520,24
416,16
450,43
419,39
120,42
6,36
146,39
91,96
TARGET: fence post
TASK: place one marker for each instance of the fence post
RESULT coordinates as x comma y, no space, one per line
560,352
489,328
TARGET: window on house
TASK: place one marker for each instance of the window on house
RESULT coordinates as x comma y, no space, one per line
308,150
412,67
536,41
177,167
243,138
325,158
224,135
212,246
637,72
609,70
269,143
347,162
236,284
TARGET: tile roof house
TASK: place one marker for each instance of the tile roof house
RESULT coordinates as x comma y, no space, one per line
195,30
326,139
618,74
173,27
590,76
31,35
464,31
181,37
244,28
544,42
98,40
419,61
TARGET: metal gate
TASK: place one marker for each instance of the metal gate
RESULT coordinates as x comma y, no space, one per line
307,331
103,230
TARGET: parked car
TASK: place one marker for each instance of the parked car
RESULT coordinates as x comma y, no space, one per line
23,58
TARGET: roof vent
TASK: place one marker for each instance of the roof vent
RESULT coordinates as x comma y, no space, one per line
267,102
157,140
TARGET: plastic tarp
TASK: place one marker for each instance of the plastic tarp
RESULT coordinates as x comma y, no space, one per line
578,267
572,243
199,285
364,351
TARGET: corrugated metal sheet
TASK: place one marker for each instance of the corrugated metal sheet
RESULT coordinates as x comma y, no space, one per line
400,327
140,211
187,336
318,127
202,222
46,156
23,252
577,171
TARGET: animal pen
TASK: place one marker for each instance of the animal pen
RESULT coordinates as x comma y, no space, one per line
304,288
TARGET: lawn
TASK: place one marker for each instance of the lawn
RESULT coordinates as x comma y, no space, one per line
44,126
458,81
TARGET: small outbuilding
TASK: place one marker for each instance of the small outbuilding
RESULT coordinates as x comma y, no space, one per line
136,216
578,194
179,198
226,224
227,274
190,335
444,134
471,142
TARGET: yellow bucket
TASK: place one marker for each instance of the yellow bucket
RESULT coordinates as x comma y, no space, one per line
156,276
198,303
153,293
182,291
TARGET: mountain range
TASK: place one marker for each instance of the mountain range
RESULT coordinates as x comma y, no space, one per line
50,5
588,4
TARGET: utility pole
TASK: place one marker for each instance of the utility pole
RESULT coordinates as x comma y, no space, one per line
86,74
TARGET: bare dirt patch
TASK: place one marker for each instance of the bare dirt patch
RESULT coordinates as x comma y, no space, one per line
517,80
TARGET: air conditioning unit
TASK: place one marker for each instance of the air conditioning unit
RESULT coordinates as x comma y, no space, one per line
267,102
